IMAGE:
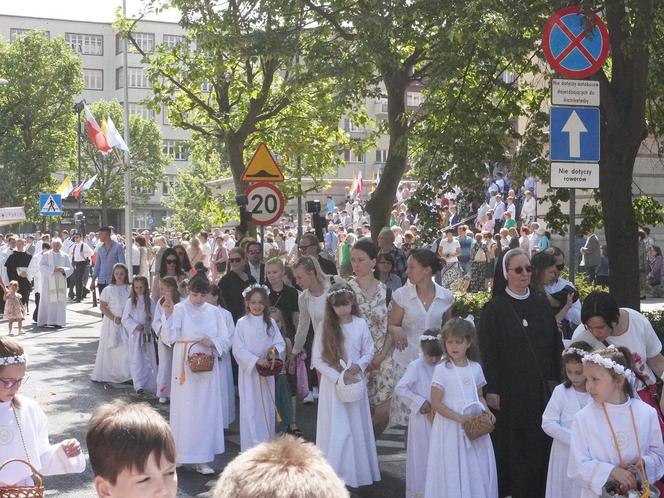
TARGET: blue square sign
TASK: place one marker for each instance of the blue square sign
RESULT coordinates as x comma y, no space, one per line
574,134
50,204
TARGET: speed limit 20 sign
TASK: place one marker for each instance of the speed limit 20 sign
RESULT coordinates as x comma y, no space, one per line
265,203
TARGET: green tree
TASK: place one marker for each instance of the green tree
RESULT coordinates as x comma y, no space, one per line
194,207
37,120
240,79
147,161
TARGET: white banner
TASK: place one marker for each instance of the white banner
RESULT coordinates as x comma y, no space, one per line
11,215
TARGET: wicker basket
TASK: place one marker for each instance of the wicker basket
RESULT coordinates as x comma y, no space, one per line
275,364
349,393
36,491
199,362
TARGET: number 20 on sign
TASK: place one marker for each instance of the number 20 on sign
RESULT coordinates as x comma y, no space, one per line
265,203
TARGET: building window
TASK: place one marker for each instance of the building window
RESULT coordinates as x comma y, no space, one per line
14,33
414,99
168,185
141,110
381,155
347,155
177,149
137,77
93,79
352,157
144,40
508,77
85,44
172,41
164,112
206,86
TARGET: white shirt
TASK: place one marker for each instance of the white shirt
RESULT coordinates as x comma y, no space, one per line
416,319
80,252
445,247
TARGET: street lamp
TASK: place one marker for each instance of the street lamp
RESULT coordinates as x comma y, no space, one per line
78,109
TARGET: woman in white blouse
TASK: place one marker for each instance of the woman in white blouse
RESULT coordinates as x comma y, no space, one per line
415,308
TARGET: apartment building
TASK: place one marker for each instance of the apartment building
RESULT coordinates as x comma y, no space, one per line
103,75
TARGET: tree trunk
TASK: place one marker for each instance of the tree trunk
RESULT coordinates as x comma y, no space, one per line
235,150
104,214
382,200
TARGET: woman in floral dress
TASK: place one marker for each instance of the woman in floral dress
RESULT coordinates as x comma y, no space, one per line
373,299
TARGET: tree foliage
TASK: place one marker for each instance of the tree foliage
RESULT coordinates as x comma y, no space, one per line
37,120
147,160
240,79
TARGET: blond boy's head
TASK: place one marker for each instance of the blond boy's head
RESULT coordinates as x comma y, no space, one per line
132,452
283,468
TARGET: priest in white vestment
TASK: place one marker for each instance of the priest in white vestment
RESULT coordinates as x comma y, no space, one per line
55,266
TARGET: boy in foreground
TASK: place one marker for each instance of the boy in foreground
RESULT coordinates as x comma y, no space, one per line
132,452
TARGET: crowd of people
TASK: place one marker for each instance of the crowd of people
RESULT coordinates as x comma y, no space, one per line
365,330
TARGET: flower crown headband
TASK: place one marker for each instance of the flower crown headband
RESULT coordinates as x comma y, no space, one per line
578,351
609,364
253,287
426,337
343,290
15,359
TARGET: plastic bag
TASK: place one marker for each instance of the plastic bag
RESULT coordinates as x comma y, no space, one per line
302,376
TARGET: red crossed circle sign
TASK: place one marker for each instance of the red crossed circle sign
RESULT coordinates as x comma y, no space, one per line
265,203
575,43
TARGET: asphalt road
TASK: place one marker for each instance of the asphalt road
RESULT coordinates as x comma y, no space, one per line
59,366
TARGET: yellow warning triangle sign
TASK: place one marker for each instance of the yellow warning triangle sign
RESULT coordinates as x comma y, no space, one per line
262,167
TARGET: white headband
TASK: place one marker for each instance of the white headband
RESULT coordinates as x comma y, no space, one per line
246,291
425,337
610,365
16,359
578,351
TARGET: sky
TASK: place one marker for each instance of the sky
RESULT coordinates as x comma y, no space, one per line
80,10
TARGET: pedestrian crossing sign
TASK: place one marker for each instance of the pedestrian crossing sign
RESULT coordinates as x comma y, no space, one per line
262,167
50,204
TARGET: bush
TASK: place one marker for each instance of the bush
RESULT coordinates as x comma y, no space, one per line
470,303
656,319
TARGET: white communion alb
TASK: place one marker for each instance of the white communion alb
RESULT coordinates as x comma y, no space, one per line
53,292
142,355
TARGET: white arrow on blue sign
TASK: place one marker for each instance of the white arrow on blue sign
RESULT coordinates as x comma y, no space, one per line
574,134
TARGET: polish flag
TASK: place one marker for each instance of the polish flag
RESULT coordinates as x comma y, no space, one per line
94,132
360,183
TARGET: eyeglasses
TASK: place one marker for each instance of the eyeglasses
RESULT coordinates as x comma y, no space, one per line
302,248
170,261
9,383
560,267
234,260
520,269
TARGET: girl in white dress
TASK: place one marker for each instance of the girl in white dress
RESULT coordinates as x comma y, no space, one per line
196,414
256,335
414,389
25,428
344,431
566,401
170,296
137,322
616,442
112,361
456,465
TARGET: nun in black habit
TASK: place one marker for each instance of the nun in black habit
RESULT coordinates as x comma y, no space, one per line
521,349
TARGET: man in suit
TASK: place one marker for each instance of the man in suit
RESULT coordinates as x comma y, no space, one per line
255,266
592,253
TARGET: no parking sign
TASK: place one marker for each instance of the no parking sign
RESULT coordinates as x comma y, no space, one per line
576,43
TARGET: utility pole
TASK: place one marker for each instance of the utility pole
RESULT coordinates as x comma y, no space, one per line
127,174
78,108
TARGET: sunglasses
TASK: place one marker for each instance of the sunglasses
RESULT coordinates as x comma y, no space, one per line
170,261
520,269
560,267
234,260
9,383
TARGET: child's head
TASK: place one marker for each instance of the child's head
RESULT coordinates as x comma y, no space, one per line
12,369
13,286
168,286
340,301
431,346
459,340
573,364
120,274
280,468
132,451
278,317
199,288
257,302
139,287
609,374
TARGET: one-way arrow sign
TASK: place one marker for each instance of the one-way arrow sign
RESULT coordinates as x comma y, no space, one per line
574,134
574,127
